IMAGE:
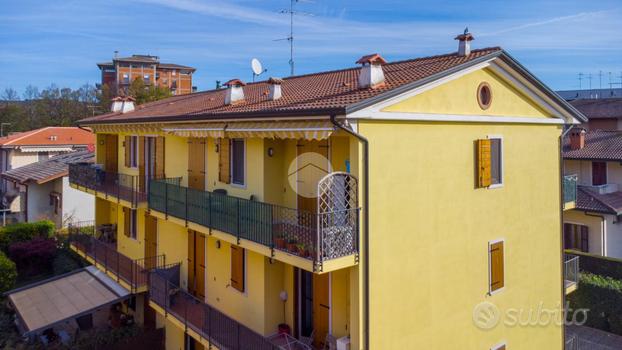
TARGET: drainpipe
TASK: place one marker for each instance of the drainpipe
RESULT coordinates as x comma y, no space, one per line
365,144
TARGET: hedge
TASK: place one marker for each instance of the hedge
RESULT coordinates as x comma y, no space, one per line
24,231
8,273
602,297
598,265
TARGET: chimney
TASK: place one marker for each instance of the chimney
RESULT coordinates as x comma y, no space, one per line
371,75
464,43
275,88
122,104
577,139
235,91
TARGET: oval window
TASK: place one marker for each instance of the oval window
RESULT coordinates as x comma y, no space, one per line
484,95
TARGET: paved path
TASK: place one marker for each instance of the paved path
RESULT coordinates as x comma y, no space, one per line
593,339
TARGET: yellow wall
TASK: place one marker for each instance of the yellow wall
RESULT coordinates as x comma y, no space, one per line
173,243
460,97
174,336
430,229
133,248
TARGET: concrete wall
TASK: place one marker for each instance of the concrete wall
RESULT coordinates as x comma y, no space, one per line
77,205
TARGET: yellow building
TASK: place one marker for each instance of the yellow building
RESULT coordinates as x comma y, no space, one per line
376,206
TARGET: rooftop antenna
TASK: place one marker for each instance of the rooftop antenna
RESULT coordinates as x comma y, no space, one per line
580,79
116,54
290,38
257,68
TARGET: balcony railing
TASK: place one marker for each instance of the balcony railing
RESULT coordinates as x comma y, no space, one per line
570,188
571,270
134,272
122,186
315,236
217,328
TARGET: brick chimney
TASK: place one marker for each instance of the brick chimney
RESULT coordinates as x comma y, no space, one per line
371,75
235,91
464,43
577,139
275,88
122,104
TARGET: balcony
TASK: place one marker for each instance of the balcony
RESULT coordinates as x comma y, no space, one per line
570,191
571,273
121,187
315,238
204,322
131,273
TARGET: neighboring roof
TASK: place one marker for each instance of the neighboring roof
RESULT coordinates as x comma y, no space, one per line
50,169
599,145
599,108
175,66
590,200
590,93
43,304
146,59
44,137
319,94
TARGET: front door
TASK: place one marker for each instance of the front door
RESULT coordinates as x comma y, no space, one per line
313,302
196,264
112,153
196,163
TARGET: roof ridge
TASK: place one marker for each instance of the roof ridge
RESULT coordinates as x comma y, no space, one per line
27,133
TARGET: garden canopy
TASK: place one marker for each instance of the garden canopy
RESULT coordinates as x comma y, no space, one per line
41,305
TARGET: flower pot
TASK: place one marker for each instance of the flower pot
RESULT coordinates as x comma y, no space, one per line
292,247
280,243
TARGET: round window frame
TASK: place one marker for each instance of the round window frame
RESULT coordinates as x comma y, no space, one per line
482,105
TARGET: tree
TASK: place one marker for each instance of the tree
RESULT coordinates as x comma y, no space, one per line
143,93
9,94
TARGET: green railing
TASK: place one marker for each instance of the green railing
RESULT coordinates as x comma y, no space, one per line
570,188
296,231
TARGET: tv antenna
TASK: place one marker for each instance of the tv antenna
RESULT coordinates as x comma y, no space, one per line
580,80
291,12
257,68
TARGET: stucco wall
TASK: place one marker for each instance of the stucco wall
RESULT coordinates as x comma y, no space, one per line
78,205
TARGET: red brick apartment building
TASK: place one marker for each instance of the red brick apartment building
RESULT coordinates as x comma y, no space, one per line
120,73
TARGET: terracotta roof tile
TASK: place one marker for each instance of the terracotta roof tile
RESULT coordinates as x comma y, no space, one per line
44,137
599,145
599,108
304,95
49,169
590,200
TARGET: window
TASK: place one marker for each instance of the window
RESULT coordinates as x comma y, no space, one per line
576,237
484,95
126,78
43,156
131,151
130,222
599,173
55,201
496,265
147,79
490,162
237,161
237,268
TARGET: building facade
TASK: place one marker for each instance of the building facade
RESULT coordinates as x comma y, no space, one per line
371,207
122,71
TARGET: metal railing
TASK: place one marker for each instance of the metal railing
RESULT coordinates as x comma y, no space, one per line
134,272
315,236
217,328
571,269
121,186
570,188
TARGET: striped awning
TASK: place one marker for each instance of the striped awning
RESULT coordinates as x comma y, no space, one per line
45,149
308,130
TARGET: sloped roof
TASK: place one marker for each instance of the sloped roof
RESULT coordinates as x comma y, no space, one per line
599,108
599,145
590,200
312,94
50,169
44,137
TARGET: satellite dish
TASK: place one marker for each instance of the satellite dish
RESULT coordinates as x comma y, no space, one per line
256,66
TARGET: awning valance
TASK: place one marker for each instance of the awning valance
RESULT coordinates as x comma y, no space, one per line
45,149
308,130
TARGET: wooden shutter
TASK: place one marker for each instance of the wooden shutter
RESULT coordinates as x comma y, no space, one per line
112,156
483,163
224,161
159,157
196,163
585,247
191,264
126,221
141,163
568,230
237,268
127,144
497,279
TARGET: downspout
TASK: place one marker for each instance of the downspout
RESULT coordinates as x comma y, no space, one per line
365,240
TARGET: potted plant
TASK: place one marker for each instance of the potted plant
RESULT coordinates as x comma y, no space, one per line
291,246
279,241
302,250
